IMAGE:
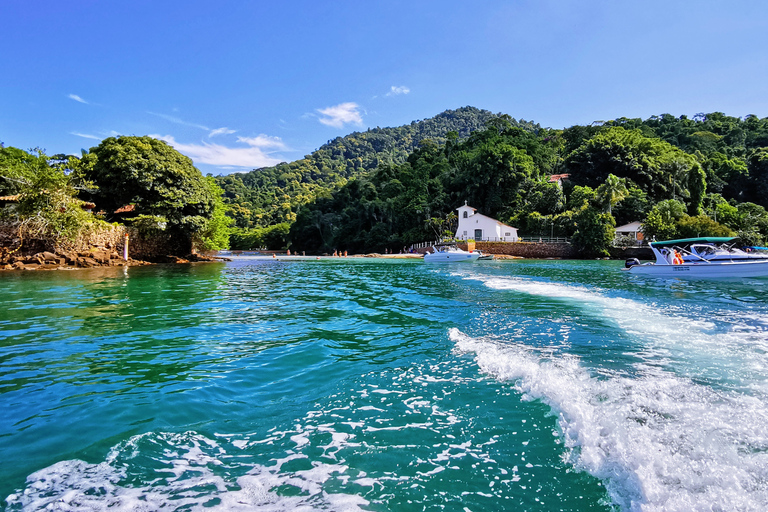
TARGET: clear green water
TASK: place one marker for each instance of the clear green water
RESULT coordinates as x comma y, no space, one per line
382,385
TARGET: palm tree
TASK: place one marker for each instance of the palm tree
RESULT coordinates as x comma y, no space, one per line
612,191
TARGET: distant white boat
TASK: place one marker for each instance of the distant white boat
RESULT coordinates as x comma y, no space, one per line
450,253
707,257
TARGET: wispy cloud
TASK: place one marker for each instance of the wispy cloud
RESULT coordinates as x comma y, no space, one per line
221,131
263,141
85,135
341,114
397,90
77,98
254,156
177,120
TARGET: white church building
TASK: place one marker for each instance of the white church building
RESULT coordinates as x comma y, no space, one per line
481,228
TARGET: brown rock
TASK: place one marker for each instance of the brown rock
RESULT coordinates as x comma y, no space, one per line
100,255
86,262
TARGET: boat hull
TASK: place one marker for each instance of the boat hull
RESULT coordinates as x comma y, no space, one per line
451,257
704,270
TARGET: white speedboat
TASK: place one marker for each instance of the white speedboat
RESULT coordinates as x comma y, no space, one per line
707,257
485,257
450,253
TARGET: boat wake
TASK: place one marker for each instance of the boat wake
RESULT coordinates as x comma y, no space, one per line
733,347
397,439
658,441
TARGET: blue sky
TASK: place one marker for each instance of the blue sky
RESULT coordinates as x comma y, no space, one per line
237,85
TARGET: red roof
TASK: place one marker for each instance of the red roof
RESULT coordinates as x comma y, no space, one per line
558,177
126,209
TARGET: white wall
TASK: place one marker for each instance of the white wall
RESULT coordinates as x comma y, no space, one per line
492,229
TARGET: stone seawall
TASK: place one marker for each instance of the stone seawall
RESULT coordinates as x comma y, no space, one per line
538,250
109,237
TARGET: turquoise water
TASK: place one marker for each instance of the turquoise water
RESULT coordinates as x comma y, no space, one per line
359,384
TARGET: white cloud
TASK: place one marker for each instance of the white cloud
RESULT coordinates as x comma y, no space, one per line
394,91
263,141
85,135
179,121
253,156
77,98
221,131
341,114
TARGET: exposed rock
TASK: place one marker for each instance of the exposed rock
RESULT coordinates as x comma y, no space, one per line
86,262
200,257
97,256
174,259
100,255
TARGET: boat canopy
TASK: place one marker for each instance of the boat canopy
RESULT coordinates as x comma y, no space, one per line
700,240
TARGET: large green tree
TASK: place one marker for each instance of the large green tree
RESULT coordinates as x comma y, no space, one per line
656,167
757,163
612,191
157,180
661,222
594,233
48,206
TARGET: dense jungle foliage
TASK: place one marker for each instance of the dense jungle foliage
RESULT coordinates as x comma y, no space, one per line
273,195
139,181
387,188
681,177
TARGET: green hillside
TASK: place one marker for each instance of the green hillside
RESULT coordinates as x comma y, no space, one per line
387,188
272,195
681,177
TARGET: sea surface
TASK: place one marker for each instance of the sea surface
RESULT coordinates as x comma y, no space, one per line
367,384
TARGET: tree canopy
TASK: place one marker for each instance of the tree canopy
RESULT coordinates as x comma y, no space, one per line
157,182
386,188
617,173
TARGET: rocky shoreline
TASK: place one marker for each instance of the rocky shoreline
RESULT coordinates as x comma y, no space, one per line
96,257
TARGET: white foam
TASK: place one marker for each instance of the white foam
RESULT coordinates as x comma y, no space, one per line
659,442
676,334
187,479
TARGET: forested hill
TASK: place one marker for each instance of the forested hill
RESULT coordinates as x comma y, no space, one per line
272,195
680,177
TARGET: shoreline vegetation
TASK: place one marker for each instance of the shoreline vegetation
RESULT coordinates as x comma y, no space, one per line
378,191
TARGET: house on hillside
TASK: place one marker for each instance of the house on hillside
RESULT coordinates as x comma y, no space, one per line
559,179
6,200
633,229
481,228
